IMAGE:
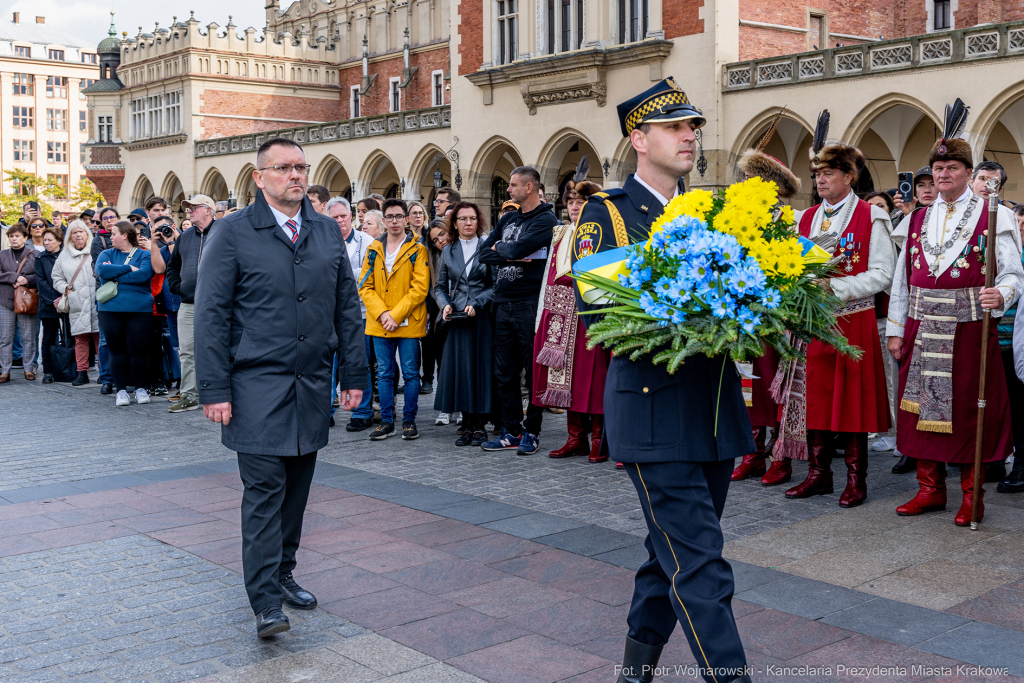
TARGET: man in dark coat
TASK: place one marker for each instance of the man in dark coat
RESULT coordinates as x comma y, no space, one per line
677,434
275,300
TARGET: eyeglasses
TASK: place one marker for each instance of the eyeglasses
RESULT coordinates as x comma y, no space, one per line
394,217
193,209
466,219
302,169
440,201
417,213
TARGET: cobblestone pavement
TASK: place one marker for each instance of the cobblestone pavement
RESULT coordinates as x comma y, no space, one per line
120,560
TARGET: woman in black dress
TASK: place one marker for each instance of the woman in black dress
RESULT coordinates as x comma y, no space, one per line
464,290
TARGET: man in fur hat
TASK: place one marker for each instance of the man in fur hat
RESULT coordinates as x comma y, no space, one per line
934,327
764,411
842,399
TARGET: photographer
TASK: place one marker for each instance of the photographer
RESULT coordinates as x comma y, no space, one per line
166,305
182,270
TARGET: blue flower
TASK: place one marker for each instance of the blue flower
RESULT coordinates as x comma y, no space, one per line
663,286
748,320
700,269
723,306
678,317
679,291
771,299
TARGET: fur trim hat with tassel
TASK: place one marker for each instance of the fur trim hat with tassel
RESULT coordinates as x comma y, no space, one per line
765,166
826,153
950,147
579,187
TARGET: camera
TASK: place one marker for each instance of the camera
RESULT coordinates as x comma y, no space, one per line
165,229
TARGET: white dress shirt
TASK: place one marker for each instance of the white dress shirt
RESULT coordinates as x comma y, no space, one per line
657,195
282,219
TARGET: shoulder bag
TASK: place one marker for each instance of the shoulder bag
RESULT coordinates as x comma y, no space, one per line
63,305
26,301
109,289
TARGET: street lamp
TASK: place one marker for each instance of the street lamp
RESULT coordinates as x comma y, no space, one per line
438,178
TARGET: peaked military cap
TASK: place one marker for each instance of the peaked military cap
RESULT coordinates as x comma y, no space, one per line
666,101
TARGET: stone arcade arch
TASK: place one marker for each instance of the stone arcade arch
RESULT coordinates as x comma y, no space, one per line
558,160
214,186
494,160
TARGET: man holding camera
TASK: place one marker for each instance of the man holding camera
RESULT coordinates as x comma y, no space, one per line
181,275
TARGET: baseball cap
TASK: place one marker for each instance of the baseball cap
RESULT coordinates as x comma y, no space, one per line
141,213
199,200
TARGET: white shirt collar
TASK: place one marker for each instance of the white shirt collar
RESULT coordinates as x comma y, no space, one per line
657,195
825,203
966,195
283,218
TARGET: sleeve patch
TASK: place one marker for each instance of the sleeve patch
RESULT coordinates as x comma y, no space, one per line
587,240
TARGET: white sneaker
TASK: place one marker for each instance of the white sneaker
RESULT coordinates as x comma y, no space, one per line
141,396
443,419
884,443
459,421
122,398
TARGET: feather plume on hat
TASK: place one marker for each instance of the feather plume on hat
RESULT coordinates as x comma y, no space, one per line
578,186
830,153
950,147
755,162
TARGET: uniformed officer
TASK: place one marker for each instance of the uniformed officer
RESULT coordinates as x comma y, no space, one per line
663,427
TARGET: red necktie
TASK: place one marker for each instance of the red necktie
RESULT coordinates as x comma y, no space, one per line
294,228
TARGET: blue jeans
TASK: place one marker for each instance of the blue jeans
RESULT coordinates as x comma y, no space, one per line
103,360
409,359
365,409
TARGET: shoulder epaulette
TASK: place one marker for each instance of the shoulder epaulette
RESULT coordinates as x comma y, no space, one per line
614,193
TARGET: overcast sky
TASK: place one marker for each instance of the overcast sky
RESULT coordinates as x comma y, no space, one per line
90,19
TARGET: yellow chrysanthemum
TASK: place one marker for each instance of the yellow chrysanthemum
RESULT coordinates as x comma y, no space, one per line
787,216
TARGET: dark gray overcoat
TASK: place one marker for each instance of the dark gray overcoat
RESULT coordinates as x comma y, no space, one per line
269,316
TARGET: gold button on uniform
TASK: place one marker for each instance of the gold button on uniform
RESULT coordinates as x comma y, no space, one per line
646,390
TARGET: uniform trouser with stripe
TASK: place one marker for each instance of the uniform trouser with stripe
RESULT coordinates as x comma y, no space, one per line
685,578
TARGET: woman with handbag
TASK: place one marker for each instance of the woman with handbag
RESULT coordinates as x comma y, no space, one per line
464,290
49,317
125,304
18,301
73,278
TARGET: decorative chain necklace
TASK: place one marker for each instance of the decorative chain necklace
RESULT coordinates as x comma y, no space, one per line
961,232
826,223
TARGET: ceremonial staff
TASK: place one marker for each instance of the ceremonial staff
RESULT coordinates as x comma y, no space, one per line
990,275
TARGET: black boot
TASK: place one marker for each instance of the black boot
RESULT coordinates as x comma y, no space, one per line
904,465
81,379
638,662
1014,483
995,471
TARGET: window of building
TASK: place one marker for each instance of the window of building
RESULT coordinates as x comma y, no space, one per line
153,116
562,23
81,152
84,83
56,152
24,150
506,31
82,122
817,34
353,102
56,119
57,55
105,128
24,117
88,58
61,179
437,88
942,15
395,95
23,51
24,84
633,20
57,86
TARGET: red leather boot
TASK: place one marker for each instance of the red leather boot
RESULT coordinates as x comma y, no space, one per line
931,495
819,475
856,471
779,472
577,443
753,463
597,432
963,517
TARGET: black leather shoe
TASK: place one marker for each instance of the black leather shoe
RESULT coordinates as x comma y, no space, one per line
107,388
465,439
905,465
47,378
358,424
995,471
294,595
1014,482
270,622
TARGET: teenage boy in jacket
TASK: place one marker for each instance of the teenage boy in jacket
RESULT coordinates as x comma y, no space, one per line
515,246
393,285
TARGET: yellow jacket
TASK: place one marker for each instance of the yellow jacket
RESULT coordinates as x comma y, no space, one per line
403,291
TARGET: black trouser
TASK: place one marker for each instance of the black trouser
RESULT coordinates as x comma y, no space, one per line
156,351
1014,387
513,353
273,502
50,328
685,578
128,338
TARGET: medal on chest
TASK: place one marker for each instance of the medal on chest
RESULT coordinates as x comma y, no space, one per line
849,250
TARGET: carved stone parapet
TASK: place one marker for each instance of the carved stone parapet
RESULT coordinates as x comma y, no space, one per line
565,87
